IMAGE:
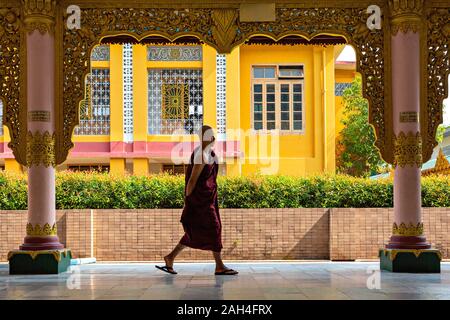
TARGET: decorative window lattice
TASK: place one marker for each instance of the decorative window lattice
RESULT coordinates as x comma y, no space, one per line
95,108
100,53
340,87
174,53
175,101
128,92
221,68
1,118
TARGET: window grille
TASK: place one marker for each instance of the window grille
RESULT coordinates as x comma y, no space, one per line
127,92
340,87
175,101
221,68
95,108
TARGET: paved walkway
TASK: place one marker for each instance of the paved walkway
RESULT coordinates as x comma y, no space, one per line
285,280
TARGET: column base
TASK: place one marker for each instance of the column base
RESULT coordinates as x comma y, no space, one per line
33,243
39,261
410,260
408,242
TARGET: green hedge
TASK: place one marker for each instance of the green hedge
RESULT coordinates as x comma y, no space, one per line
102,191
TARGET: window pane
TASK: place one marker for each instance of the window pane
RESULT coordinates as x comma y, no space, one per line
285,125
257,88
285,107
270,125
284,97
258,73
269,72
284,88
285,116
291,72
297,107
270,98
258,107
270,88
258,116
258,125
297,97
297,116
257,97
297,88
297,125
270,116
271,107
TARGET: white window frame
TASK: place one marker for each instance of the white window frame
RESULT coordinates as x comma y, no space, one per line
277,82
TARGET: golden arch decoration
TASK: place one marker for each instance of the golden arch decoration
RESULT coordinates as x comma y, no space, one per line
222,29
13,77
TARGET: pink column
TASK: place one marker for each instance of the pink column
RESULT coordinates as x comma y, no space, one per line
41,227
408,228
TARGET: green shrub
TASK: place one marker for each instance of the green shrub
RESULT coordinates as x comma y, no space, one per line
103,191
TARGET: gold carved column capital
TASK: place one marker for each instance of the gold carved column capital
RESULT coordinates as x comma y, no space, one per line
40,149
406,15
408,149
225,28
408,230
39,15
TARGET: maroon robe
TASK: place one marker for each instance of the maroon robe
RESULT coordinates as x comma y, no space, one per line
200,217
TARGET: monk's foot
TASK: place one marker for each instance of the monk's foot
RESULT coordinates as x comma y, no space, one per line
225,271
169,261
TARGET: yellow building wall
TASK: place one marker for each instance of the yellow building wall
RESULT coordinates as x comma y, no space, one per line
310,152
297,154
342,76
233,108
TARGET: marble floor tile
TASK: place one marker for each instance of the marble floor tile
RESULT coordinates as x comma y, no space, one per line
256,281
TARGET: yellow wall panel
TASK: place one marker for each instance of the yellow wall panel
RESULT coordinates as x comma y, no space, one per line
140,166
117,166
140,92
209,86
116,93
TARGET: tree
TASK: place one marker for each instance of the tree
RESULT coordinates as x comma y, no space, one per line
442,127
357,154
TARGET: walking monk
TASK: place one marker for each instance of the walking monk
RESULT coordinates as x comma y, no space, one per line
200,217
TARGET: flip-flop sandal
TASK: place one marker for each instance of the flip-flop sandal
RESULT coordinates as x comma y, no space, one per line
227,272
167,269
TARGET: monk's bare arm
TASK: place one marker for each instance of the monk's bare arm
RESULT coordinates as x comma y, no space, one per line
196,170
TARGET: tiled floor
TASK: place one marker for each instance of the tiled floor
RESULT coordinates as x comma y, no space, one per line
272,280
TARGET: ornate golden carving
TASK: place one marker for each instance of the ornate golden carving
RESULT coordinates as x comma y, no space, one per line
224,29
12,79
221,29
38,231
57,254
40,149
417,252
39,15
407,229
408,149
175,101
435,72
442,166
406,15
